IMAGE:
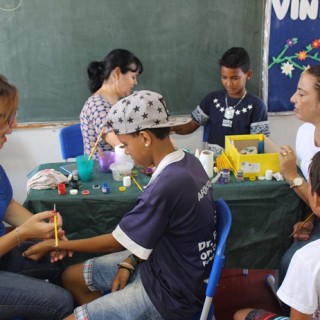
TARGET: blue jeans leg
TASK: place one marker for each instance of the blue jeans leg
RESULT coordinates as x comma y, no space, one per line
30,298
14,262
130,303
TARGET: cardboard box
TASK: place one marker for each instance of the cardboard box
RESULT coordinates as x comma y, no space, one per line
252,164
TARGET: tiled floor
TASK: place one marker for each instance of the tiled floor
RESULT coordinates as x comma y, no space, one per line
236,291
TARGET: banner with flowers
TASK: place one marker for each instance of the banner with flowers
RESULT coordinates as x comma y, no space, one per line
294,45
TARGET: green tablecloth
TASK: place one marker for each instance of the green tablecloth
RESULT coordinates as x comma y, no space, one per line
263,214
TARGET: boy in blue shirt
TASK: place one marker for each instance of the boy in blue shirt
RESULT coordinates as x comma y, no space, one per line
162,250
232,110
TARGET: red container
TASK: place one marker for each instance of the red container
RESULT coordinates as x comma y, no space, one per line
62,189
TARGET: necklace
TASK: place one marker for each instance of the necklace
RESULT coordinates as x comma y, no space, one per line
229,111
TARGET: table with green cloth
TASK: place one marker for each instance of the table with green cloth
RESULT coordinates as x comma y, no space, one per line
263,214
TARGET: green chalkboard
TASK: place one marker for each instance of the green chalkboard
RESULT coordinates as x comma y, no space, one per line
46,45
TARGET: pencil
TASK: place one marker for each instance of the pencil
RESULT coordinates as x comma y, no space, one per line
96,144
302,224
55,227
136,182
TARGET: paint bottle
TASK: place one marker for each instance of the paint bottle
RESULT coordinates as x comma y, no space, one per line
261,145
225,176
62,189
105,188
75,175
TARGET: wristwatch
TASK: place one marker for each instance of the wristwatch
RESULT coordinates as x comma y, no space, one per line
297,182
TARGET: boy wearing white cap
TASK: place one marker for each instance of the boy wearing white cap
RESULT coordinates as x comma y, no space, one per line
166,243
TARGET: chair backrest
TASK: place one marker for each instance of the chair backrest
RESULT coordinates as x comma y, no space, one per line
71,141
224,220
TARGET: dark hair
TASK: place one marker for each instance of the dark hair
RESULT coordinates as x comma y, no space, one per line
315,72
236,57
98,71
160,133
314,173
8,99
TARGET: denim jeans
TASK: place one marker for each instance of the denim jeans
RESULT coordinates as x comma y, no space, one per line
130,303
13,261
21,294
286,258
32,298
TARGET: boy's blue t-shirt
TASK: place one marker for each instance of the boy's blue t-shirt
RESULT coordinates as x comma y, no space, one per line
5,197
249,116
173,227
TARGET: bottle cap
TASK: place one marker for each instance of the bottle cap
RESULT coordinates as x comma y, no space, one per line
73,191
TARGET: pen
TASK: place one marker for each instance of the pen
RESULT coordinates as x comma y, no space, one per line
55,227
302,224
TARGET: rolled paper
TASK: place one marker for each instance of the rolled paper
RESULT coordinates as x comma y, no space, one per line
206,159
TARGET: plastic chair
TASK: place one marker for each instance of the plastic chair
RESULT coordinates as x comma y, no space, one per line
71,141
224,220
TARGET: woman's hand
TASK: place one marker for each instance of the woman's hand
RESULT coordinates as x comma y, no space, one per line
304,232
288,163
120,280
37,228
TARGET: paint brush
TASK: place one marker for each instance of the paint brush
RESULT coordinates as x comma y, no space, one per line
302,224
96,144
136,182
98,150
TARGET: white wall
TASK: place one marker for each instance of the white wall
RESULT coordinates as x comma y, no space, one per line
27,148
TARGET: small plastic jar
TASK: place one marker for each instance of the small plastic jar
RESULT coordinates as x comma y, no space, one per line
126,181
225,175
105,188
62,189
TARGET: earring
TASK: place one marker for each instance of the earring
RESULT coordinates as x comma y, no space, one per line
146,145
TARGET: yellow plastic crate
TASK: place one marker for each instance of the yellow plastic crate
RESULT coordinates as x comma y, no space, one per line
252,165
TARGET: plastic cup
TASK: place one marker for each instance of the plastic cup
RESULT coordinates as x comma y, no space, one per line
105,159
120,170
85,167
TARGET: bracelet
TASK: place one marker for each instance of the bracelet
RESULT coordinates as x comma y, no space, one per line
134,259
18,237
127,266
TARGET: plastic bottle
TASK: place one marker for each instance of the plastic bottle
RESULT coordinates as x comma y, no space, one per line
261,145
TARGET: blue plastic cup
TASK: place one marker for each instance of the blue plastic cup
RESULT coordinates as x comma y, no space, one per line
85,167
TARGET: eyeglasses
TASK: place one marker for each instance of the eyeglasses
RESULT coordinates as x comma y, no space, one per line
11,118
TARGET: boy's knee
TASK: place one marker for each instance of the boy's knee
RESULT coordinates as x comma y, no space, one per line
72,275
241,314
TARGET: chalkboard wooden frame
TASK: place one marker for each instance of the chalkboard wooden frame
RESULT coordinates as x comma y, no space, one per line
46,46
